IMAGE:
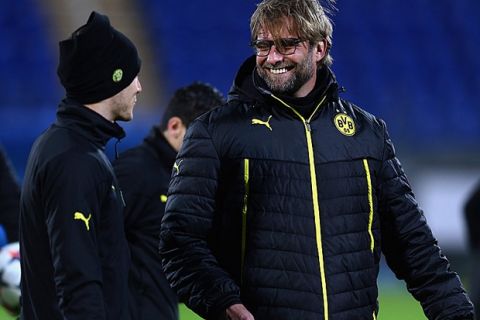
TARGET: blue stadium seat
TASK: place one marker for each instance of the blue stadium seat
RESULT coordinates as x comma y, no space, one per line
25,56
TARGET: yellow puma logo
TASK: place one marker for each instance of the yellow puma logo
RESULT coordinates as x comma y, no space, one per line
163,198
265,123
176,166
80,216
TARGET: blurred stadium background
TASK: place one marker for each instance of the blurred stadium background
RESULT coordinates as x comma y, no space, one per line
412,63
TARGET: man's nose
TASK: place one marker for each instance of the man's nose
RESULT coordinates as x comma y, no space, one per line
274,56
139,85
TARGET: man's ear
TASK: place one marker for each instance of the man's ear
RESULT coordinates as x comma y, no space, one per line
175,127
175,132
320,50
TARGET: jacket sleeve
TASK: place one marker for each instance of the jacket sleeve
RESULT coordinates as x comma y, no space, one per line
188,261
410,248
73,197
9,198
472,217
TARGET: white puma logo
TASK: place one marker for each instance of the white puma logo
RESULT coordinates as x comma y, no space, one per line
265,123
80,216
176,166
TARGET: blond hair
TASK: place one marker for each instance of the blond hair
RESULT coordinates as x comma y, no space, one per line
307,18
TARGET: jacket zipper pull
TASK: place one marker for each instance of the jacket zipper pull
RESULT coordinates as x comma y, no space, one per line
307,124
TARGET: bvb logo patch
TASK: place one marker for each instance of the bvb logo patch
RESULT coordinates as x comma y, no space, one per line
344,124
117,75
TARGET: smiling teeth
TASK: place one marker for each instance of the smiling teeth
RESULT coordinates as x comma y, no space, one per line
278,71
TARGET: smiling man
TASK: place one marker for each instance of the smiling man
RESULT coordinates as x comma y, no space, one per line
285,198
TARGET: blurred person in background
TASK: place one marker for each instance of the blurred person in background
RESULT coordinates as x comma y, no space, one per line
472,216
144,173
74,253
9,212
9,200
283,200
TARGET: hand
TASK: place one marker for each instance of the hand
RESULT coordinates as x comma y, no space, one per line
238,312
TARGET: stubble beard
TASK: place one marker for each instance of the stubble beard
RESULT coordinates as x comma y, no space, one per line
303,72
123,109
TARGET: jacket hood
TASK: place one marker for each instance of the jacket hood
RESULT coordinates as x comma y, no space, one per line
75,116
246,88
163,150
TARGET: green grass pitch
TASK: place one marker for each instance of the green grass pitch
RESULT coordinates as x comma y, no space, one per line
395,304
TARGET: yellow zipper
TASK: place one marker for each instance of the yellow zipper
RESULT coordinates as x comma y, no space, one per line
246,173
316,206
370,203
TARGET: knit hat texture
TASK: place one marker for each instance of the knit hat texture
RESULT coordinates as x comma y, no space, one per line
97,61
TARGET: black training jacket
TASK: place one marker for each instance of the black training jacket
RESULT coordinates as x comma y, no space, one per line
288,214
472,217
9,198
74,253
144,173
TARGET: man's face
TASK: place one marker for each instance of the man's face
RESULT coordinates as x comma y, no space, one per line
124,101
293,74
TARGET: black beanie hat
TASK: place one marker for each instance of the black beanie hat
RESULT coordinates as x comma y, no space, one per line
97,61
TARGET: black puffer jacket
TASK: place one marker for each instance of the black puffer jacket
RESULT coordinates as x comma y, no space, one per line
289,214
74,254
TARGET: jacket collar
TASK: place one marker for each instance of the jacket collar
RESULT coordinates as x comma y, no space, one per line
163,150
248,86
75,116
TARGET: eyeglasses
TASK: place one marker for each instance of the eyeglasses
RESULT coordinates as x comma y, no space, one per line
285,46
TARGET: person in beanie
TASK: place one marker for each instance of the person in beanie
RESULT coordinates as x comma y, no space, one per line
284,199
144,173
74,254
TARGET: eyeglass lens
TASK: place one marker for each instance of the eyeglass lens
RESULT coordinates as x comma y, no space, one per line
285,46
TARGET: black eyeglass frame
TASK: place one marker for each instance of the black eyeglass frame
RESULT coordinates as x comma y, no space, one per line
286,47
